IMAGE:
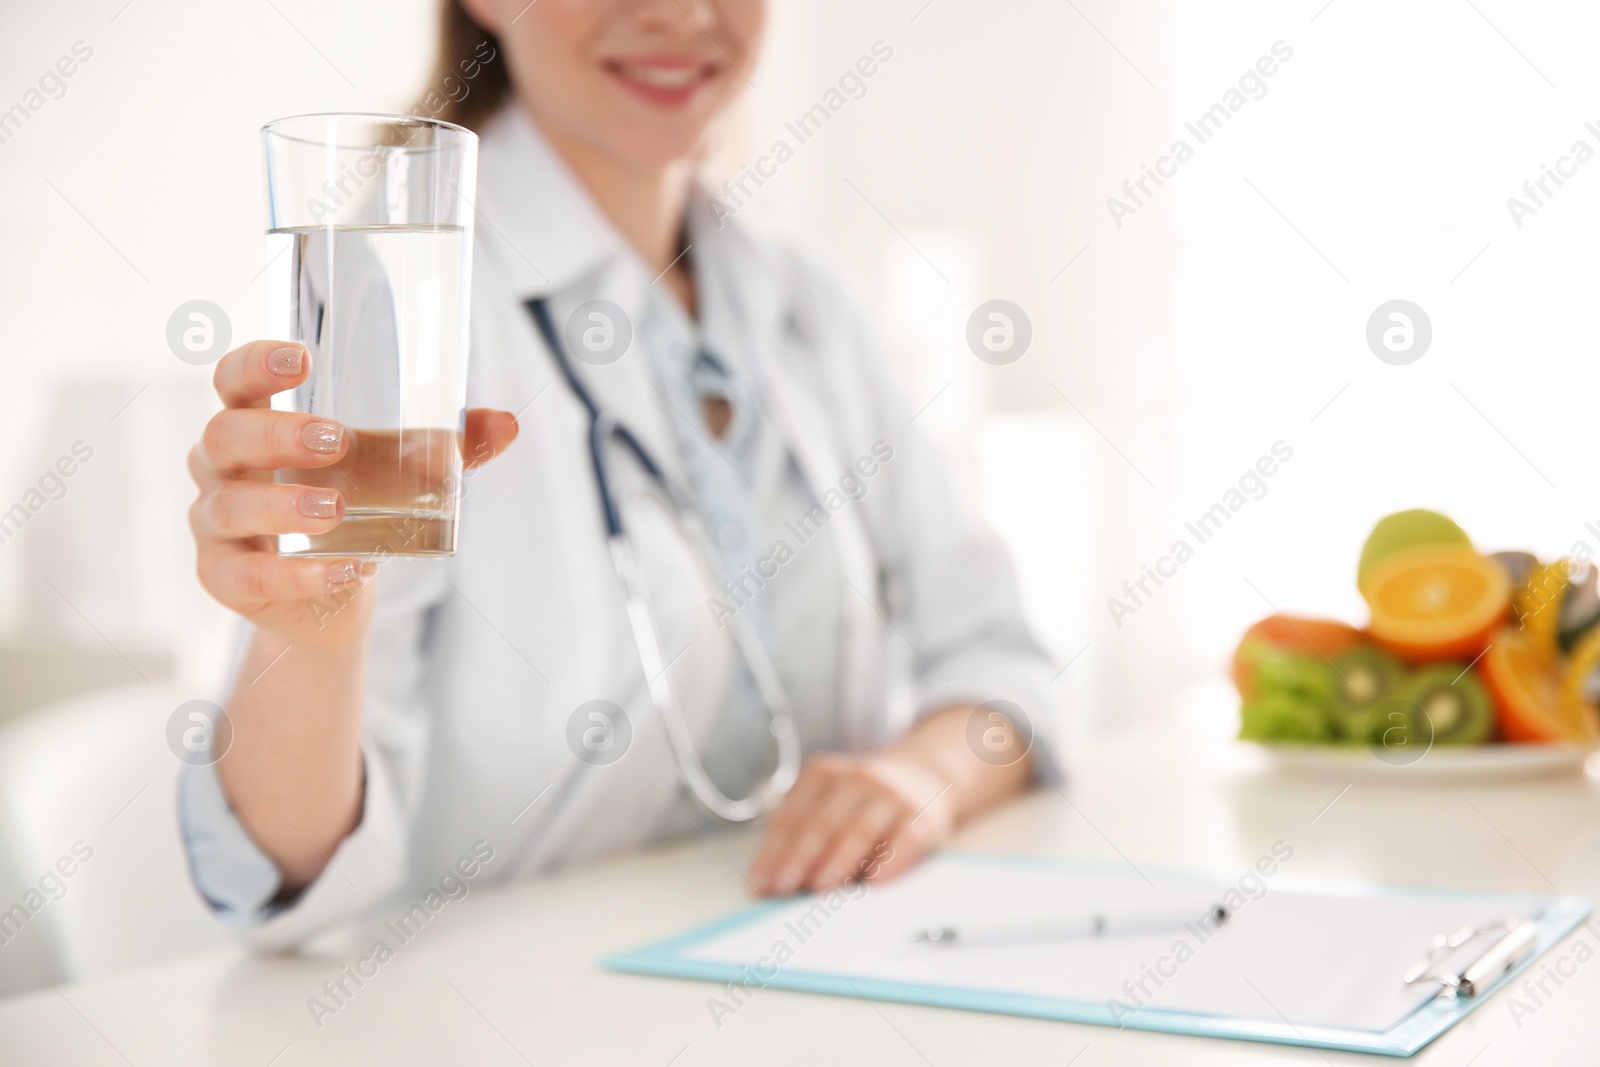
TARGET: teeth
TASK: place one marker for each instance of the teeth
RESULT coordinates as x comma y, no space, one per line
664,77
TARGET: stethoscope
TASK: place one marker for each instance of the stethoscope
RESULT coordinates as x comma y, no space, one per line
604,429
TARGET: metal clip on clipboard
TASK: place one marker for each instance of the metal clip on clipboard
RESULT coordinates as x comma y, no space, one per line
1517,940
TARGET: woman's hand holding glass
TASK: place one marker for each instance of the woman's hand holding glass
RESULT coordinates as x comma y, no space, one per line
241,509
293,771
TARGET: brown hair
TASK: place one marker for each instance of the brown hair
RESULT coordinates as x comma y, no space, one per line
470,79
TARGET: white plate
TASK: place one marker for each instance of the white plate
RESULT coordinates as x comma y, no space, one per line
1439,764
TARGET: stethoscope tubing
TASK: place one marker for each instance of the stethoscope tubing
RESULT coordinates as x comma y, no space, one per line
603,428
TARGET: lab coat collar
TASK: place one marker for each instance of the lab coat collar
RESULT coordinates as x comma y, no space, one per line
533,213
549,236
746,278
546,233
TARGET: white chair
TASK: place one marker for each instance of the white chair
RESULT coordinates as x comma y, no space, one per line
96,770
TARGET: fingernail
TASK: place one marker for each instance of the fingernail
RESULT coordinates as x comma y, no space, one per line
318,503
785,883
369,569
287,360
323,436
344,572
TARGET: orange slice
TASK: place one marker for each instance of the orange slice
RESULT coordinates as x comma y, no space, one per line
1438,602
1585,658
1526,681
1538,602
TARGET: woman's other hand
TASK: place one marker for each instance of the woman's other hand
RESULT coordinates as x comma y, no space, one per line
876,815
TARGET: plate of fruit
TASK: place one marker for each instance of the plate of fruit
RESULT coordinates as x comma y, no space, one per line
1470,664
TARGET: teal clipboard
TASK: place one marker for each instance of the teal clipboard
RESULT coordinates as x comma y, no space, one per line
666,958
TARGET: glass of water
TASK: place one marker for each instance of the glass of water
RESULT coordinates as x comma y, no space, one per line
369,266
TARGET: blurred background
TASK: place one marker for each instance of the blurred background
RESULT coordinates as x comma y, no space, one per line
1178,335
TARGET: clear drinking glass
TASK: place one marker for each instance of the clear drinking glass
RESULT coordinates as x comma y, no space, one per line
369,253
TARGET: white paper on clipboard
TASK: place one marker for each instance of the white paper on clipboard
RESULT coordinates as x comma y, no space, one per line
1325,958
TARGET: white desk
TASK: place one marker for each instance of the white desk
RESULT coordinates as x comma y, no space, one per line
508,976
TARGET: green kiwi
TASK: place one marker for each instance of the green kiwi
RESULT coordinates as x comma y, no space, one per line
1453,701
1364,677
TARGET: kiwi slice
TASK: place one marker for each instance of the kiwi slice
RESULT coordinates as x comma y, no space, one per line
1364,677
1454,703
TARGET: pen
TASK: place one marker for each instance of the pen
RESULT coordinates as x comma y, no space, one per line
1067,927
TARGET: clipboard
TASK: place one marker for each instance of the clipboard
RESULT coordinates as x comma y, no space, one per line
1303,970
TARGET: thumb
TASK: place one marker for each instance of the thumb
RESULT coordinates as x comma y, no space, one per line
488,433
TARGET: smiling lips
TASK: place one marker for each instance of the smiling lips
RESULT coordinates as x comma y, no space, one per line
669,81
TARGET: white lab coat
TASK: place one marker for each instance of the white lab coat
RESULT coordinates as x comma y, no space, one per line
477,662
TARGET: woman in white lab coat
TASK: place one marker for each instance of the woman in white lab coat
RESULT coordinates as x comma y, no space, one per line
385,730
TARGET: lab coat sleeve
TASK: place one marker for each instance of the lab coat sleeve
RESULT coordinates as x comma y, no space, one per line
949,583
238,880
954,599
